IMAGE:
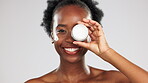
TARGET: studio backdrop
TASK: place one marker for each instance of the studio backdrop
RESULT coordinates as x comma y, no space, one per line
26,50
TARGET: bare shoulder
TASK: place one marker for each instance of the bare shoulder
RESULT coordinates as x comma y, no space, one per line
50,77
112,76
117,76
36,80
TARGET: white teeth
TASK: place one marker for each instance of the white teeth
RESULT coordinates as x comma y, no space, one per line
71,49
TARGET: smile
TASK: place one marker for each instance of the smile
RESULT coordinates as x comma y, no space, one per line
71,51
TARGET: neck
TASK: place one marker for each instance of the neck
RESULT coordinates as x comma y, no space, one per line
74,71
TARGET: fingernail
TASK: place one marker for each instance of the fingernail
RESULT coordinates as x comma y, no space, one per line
84,19
75,42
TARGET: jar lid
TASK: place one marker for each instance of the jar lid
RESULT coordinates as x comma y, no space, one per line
79,32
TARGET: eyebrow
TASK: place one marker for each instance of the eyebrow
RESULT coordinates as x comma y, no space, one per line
61,25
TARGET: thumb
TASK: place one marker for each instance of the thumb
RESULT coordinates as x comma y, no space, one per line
82,44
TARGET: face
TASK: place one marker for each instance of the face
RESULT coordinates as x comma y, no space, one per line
66,18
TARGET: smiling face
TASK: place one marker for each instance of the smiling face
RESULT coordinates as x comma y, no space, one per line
66,18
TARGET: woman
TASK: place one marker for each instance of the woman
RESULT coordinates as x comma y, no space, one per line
59,19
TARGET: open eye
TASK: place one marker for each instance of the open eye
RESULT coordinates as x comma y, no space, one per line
61,31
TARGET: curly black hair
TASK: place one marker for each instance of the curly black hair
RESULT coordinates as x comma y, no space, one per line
53,5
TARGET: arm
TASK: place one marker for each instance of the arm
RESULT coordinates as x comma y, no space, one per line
134,73
100,47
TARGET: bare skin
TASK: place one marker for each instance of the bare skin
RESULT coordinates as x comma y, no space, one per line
96,76
72,67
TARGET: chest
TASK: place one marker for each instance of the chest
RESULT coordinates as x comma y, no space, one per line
87,81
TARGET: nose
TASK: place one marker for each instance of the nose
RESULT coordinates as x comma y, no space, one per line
69,38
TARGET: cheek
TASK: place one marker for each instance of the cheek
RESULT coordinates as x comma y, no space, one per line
59,43
61,39
61,36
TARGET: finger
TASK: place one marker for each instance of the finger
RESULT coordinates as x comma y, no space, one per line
88,21
89,32
101,30
96,33
93,38
82,44
80,22
87,25
93,24
94,27
85,20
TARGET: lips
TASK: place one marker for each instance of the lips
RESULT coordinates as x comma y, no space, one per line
71,50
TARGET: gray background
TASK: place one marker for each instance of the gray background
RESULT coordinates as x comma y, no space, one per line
26,51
